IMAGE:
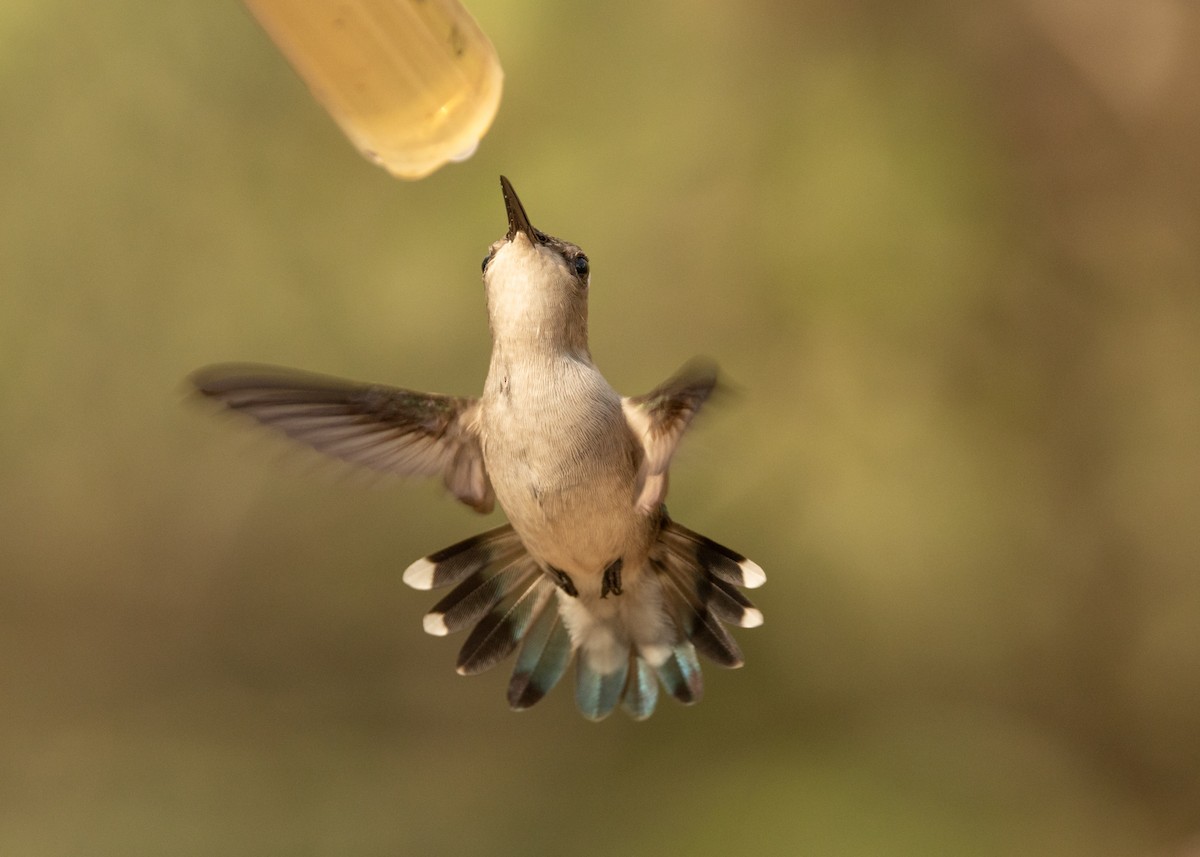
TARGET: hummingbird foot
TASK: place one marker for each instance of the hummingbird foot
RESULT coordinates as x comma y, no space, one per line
564,582
612,578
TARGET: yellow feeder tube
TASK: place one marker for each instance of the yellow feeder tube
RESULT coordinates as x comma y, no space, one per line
412,83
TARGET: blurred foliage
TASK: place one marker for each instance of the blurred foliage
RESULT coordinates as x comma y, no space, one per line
948,255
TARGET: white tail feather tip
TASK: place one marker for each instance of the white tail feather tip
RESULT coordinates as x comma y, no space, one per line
752,574
419,575
435,623
751,618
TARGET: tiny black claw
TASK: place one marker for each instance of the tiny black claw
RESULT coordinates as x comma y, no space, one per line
564,582
612,578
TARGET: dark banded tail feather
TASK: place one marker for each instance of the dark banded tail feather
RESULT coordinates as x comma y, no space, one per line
545,656
727,603
686,589
468,602
714,642
477,554
680,674
720,561
499,632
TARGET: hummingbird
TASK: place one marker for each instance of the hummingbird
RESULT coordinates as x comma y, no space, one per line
590,568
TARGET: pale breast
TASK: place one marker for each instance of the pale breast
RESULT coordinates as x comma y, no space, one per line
563,464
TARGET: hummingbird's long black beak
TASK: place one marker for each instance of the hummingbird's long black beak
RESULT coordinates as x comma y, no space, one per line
518,220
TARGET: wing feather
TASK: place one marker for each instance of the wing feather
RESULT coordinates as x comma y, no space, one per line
659,419
385,428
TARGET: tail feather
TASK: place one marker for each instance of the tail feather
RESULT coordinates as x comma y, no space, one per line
459,561
641,690
598,693
729,605
723,563
545,656
473,598
499,632
714,642
686,593
680,674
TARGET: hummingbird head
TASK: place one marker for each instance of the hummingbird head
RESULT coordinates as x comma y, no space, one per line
536,284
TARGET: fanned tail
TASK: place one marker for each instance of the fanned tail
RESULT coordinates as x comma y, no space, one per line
544,658
673,607
503,596
700,580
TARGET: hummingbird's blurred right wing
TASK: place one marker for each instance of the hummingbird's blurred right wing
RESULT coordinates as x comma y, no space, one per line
386,428
659,418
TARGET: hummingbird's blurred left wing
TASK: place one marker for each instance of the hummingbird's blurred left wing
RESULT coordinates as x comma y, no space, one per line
659,418
386,428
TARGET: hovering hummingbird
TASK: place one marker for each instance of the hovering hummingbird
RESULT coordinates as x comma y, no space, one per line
589,567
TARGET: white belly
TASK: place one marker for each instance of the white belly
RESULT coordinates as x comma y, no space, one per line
562,467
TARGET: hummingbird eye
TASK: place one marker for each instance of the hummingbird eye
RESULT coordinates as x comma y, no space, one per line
486,259
581,265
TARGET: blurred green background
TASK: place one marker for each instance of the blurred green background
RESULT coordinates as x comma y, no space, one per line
949,254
